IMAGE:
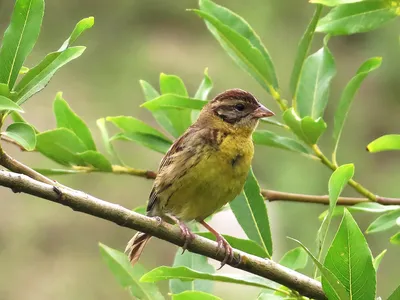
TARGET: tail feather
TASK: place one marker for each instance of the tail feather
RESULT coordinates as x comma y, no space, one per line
136,245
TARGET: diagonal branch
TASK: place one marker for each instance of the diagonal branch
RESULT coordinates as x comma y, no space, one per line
117,214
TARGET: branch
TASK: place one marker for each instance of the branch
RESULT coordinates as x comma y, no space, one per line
117,214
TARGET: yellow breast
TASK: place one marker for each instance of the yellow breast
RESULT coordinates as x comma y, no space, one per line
214,181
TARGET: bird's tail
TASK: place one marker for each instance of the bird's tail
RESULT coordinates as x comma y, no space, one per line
136,245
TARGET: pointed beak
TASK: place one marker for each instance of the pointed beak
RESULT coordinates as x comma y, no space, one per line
262,112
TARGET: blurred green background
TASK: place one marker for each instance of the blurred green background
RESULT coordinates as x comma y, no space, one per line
50,252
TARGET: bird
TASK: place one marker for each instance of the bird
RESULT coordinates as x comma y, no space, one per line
205,168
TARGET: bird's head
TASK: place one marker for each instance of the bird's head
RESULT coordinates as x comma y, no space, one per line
235,109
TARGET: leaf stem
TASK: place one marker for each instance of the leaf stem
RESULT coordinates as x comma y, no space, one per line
357,186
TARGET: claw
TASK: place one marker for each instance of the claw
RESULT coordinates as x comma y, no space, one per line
186,233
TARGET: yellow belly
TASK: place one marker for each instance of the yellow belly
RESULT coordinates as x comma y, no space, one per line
216,180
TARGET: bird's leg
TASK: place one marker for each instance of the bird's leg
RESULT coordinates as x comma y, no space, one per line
222,244
186,233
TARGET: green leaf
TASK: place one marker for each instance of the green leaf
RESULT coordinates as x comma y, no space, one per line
384,222
171,84
306,129
350,259
19,38
132,125
333,288
101,124
61,145
395,239
337,182
163,117
23,134
49,172
150,141
302,51
251,212
205,87
348,95
247,246
335,2
7,104
385,143
195,262
370,207
141,209
357,17
202,92
314,82
80,27
194,295
23,70
377,260
268,138
39,76
96,160
67,118
295,259
395,295
240,42
174,101
186,274
128,276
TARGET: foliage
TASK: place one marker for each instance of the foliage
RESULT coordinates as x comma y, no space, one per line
347,268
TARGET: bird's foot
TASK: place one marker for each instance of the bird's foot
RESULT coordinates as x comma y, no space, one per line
229,255
187,235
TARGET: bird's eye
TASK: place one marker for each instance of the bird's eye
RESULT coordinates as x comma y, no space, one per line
239,107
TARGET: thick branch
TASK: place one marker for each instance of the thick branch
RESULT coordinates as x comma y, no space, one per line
82,202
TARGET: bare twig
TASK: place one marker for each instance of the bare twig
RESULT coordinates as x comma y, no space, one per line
117,214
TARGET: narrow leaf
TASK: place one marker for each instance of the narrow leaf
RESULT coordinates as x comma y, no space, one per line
314,82
194,295
370,207
150,141
128,276
7,104
350,259
101,124
357,17
174,101
302,52
96,160
171,84
251,212
268,138
149,91
241,47
131,125
49,172
23,134
61,145
67,118
202,92
186,274
377,260
395,239
335,2
19,38
384,222
348,95
39,76
333,288
385,143
247,246
295,259
194,262
395,295
80,27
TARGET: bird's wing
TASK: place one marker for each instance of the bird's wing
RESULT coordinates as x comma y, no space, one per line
184,153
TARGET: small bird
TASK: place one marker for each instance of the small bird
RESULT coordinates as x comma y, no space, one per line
205,168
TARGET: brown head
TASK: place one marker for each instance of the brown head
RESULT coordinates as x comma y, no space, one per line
235,109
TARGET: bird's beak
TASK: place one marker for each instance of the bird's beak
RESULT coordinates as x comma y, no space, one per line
262,112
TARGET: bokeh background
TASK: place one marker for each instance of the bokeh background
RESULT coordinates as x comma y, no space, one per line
50,252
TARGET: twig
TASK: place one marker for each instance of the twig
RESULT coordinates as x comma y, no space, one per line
117,214
11,141
18,167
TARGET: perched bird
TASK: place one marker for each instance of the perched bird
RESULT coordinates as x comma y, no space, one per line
205,168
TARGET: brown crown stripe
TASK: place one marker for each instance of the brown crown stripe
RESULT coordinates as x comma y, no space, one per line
236,94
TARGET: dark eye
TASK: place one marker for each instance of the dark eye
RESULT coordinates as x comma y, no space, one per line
239,107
